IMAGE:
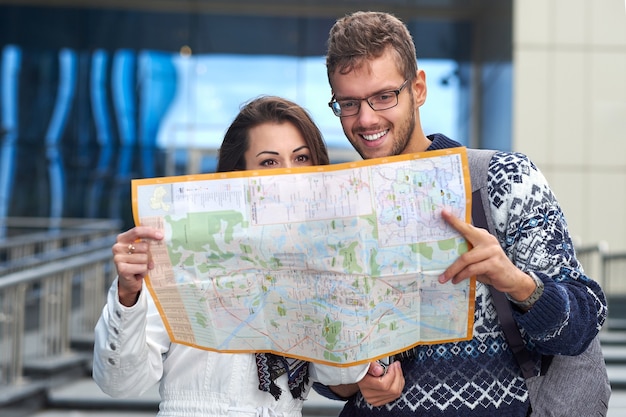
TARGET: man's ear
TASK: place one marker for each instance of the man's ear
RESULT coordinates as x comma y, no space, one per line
419,88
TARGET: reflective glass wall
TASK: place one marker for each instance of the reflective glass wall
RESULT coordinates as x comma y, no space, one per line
92,97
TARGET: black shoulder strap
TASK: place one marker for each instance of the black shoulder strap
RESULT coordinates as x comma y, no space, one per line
479,168
502,305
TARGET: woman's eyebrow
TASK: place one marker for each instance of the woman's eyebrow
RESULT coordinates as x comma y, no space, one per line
270,152
300,148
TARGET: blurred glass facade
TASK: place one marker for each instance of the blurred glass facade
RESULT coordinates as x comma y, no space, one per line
91,97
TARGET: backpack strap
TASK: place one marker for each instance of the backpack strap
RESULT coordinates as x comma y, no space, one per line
481,217
502,305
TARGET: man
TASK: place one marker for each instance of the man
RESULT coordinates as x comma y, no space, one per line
377,94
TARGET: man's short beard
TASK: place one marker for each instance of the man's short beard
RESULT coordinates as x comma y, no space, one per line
401,143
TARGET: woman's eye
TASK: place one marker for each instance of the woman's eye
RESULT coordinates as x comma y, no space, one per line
268,163
303,158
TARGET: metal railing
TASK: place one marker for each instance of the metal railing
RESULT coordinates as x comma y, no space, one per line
51,294
35,241
591,258
609,270
614,273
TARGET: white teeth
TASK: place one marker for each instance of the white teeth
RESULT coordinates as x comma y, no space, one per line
375,135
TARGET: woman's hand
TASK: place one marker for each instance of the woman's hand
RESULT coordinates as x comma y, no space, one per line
132,258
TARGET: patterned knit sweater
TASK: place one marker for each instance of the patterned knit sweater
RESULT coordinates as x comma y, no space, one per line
480,377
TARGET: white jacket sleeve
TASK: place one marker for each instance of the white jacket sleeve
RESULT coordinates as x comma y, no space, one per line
129,346
334,375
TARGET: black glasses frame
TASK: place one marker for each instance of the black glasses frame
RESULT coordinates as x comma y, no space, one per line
337,110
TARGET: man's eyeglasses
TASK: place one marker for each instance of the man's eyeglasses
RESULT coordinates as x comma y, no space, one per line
379,101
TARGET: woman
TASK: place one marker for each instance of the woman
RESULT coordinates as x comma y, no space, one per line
132,347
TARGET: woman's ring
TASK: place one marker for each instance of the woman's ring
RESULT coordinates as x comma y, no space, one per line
131,249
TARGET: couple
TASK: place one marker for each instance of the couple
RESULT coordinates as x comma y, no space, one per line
377,93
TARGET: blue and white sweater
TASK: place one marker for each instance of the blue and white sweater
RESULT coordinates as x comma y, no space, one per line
480,377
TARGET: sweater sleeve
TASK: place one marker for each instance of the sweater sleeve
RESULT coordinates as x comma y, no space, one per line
129,346
533,232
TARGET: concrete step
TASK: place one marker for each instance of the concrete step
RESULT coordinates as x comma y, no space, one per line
86,397
614,354
617,324
84,394
613,337
617,376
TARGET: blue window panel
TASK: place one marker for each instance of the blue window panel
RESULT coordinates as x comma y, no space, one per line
54,133
9,82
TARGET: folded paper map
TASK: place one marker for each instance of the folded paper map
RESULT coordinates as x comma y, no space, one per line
333,264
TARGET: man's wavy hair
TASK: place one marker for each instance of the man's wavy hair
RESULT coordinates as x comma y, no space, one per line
360,37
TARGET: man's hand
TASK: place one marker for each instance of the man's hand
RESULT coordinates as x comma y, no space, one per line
487,261
132,258
379,388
